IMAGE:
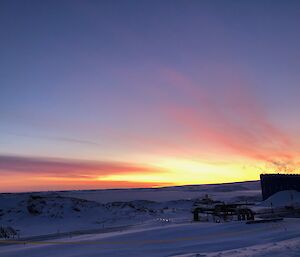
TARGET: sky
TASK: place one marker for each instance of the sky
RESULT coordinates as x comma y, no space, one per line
147,93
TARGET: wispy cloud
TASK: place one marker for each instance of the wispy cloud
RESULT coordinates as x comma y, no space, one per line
236,122
57,138
56,167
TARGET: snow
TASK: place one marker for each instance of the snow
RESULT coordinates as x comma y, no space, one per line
143,222
221,191
202,239
283,198
57,212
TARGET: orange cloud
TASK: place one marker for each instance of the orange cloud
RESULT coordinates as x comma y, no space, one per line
23,183
18,173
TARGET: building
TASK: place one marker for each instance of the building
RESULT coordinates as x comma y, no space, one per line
273,183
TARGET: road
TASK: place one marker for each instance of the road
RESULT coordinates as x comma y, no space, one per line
63,235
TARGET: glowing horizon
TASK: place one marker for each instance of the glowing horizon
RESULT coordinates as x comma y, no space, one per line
146,94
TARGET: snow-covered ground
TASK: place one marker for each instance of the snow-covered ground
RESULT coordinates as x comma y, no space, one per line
288,197
143,222
200,239
57,212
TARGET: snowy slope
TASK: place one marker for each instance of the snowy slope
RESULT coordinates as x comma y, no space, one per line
283,198
143,222
198,239
57,212
45,214
227,191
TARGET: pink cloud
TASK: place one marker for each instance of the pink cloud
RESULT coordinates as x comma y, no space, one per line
237,122
58,167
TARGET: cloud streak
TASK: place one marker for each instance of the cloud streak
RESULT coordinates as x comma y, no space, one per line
237,123
58,138
66,168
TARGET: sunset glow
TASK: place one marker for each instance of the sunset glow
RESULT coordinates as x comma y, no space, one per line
103,95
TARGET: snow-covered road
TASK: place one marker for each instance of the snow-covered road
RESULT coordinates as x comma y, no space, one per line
192,238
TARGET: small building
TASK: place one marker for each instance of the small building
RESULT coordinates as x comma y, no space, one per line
273,183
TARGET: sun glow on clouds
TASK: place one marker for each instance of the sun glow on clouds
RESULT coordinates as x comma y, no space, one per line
206,93
206,141
34,174
180,172
19,173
